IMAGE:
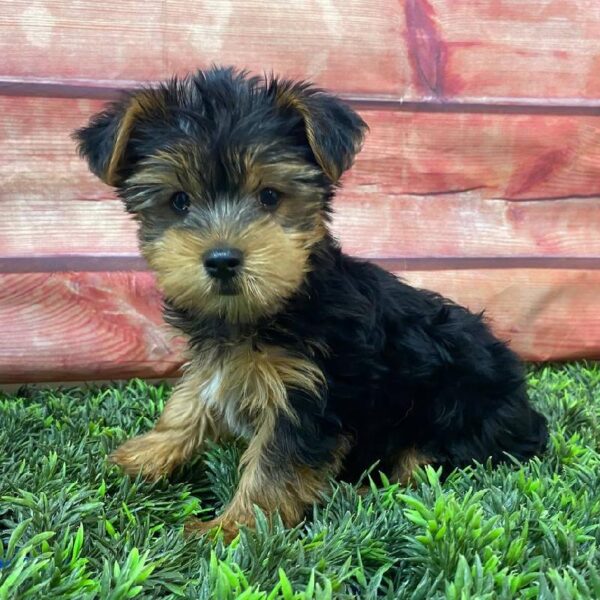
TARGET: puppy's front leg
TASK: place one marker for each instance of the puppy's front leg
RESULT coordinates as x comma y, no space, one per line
184,424
275,479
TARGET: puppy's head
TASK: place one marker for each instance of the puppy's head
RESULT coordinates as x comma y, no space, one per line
230,178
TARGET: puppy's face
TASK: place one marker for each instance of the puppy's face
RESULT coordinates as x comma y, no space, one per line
230,178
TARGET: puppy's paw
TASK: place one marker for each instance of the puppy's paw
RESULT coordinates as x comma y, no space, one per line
149,455
195,527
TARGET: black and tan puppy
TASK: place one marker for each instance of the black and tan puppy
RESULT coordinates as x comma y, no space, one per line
323,363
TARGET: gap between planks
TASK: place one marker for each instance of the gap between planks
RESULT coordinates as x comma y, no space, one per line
135,263
109,90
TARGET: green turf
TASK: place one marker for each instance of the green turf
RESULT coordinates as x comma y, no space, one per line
72,527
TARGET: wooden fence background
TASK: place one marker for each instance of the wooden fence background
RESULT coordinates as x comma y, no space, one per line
480,178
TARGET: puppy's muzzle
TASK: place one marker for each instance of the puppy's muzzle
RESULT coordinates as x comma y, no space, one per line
223,263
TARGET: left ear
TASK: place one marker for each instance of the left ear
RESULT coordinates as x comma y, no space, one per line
106,141
333,130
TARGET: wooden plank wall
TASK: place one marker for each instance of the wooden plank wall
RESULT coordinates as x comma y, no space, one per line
480,177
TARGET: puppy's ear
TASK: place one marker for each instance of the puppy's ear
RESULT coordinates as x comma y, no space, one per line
333,130
106,142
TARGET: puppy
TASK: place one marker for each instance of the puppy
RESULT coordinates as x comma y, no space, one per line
322,363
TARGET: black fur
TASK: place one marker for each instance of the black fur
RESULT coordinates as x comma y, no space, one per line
405,368
230,109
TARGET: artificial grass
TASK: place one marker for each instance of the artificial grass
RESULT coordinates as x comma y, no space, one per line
71,526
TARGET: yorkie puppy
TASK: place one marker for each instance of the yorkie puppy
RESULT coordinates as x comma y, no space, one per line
322,363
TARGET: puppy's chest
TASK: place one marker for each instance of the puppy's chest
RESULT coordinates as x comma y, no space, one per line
223,398
245,386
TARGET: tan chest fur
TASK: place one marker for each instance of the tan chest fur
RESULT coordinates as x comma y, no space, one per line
246,387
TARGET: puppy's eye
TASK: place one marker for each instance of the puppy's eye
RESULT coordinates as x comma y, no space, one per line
180,202
269,198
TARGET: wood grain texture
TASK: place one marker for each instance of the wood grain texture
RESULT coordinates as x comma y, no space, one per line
377,224
404,198
547,49
413,49
82,326
38,157
148,40
368,224
517,157
64,327
545,314
484,151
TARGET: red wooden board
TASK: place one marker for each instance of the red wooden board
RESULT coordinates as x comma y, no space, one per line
403,198
525,49
474,51
151,39
546,314
508,156
484,153
82,326
101,326
500,155
369,224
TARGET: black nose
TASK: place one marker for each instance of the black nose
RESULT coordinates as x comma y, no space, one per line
223,263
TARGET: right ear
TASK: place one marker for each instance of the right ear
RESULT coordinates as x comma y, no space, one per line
106,141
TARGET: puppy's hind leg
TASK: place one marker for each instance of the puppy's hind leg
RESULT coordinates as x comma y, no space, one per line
184,425
508,428
405,464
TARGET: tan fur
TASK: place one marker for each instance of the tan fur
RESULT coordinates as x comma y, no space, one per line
276,244
406,464
294,97
234,390
144,103
288,491
288,176
178,168
235,387
290,97
248,386
243,390
184,425
272,271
